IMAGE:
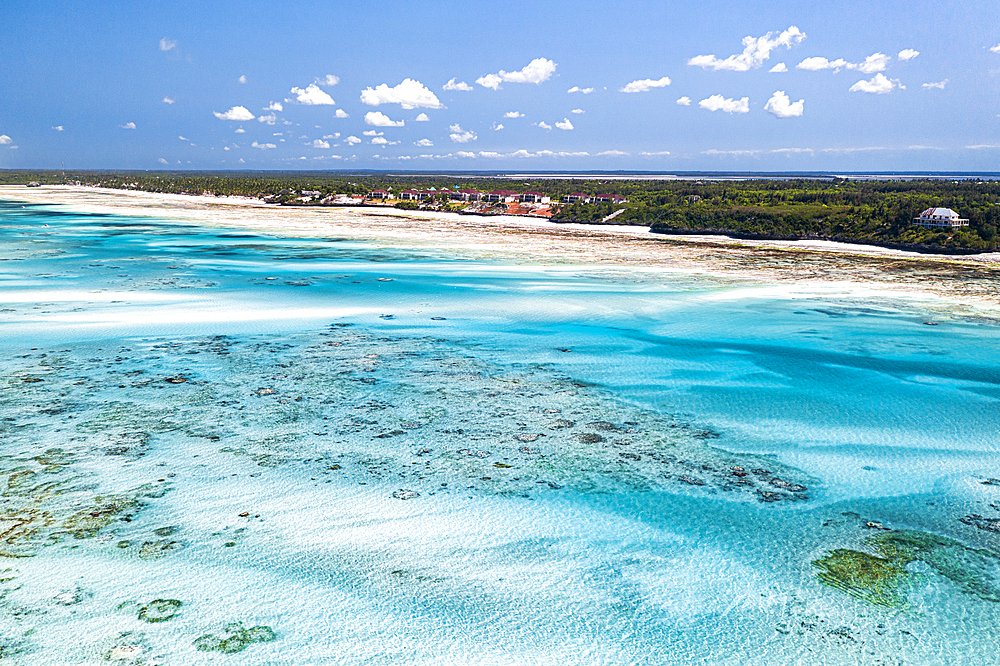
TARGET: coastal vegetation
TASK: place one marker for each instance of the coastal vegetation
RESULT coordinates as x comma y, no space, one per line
870,211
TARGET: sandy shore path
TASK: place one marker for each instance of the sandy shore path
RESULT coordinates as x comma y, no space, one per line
972,280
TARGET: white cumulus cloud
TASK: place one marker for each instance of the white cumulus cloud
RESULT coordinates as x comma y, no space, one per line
320,143
409,94
939,85
544,125
585,91
536,71
907,54
312,96
424,143
565,124
816,63
162,161
755,51
458,135
328,80
995,49
422,118
341,114
878,84
379,119
382,141
352,140
782,107
167,44
497,126
684,101
270,119
577,111
236,113
612,153
876,62
373,133
713,151
128,126
780,67
183,138
463,153
645,85
58,128
5,140
461,85
167,100
274,106
729,105
490,81
240,130
513,114
243,78
263,146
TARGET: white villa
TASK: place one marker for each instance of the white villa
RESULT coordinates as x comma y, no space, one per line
940,217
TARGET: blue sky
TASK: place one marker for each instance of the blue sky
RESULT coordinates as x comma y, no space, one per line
660,86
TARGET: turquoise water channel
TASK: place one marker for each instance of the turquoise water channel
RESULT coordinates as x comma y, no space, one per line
232,447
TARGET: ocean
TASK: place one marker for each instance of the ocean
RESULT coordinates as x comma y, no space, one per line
232,446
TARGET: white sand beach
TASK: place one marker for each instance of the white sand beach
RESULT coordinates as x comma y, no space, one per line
816,264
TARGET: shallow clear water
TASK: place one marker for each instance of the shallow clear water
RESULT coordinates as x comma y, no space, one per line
390,454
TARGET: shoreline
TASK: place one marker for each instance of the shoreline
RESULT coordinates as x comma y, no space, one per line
967,280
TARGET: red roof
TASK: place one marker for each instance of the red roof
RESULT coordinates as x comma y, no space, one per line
504,193
537,194
469,192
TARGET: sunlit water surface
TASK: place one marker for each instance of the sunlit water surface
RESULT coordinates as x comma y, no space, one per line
225,447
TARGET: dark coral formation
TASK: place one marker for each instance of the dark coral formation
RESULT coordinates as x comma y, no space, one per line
879,579
237,639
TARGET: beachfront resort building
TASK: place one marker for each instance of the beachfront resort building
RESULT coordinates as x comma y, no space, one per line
414,195
609,198
940,217
466,195
576,197
378,194
533,197
501,196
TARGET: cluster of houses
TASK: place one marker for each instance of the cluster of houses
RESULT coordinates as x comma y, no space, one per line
496,196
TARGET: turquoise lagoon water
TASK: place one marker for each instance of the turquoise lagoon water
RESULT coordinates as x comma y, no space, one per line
222,446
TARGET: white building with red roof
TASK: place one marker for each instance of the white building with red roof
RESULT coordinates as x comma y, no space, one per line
467,195
940,217
501,196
